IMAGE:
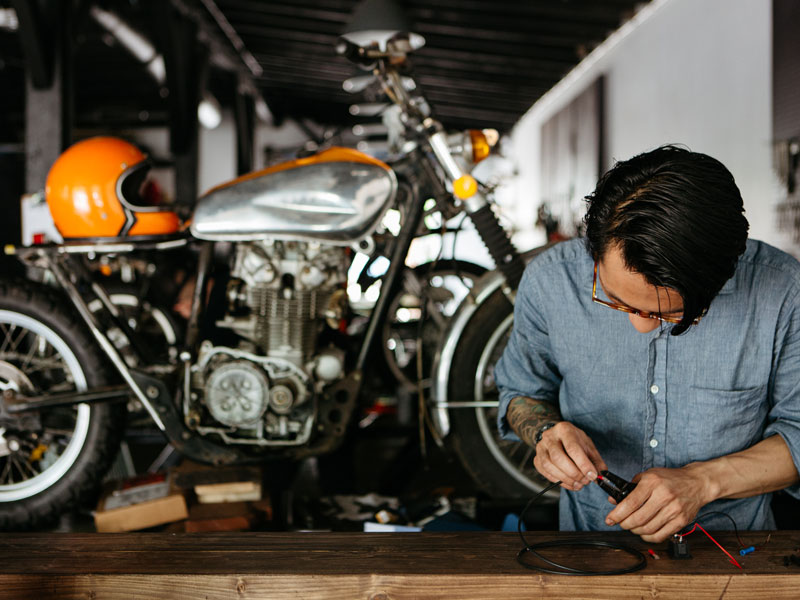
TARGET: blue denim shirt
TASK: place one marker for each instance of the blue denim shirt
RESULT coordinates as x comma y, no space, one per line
655,400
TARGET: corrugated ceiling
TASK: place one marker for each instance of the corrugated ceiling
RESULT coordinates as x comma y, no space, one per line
484,64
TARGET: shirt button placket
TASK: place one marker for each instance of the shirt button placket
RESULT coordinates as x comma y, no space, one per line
658,394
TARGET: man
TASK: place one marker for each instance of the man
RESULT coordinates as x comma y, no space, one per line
668,353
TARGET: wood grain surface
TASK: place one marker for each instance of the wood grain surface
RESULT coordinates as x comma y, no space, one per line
376,566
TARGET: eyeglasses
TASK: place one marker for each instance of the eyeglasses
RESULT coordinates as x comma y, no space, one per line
633,311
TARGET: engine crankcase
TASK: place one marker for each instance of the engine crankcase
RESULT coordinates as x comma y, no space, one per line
237,393
260,400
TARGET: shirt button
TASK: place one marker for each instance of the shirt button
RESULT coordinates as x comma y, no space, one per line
653,443
654,389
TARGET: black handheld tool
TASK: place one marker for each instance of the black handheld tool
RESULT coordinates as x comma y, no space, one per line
614,486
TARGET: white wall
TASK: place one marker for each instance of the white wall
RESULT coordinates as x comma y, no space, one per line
218,148
217,154
696,72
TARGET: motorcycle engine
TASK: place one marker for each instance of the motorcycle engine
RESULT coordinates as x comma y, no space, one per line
281,296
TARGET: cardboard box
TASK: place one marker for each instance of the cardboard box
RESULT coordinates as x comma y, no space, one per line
139,503
231,516
219,484
188,475
236,491
226,516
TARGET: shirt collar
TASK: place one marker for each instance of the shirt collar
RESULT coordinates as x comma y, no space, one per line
729,287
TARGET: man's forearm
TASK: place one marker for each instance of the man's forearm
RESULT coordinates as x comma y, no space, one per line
525,416
765,467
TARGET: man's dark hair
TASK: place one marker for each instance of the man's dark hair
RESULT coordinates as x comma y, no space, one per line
677,217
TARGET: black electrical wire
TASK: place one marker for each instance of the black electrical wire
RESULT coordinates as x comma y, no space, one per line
582,543
717,512
735,528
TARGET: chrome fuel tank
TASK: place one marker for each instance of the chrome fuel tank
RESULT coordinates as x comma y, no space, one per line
338,196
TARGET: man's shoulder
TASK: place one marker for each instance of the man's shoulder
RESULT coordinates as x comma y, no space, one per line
566,252
769,270
766,257
556,266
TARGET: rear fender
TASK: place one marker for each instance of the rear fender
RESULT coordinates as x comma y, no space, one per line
487,285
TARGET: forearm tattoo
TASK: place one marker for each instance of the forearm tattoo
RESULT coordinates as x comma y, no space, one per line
526,416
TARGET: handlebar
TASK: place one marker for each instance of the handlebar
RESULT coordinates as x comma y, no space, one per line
386,53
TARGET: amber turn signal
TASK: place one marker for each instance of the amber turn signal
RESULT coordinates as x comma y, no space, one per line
482,141
480,146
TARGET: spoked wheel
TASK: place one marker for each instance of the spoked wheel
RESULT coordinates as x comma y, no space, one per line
156,328
503,468
52,458
441,287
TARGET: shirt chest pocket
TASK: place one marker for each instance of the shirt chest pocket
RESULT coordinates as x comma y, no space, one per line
718,422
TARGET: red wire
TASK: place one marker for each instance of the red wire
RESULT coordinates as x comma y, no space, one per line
696,525
688,532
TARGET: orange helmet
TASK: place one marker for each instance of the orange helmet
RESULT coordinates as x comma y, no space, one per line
95,189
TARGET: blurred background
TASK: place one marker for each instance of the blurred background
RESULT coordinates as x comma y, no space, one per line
571,85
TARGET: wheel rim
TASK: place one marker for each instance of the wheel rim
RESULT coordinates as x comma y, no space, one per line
443,289
516,458
158,332
49,354
155,313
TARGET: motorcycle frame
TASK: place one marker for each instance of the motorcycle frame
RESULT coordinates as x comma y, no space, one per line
162,407
431,136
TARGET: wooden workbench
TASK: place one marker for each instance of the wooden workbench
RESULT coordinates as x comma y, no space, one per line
375,566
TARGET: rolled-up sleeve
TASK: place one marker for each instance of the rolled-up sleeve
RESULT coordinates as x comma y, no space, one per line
784,414
526,367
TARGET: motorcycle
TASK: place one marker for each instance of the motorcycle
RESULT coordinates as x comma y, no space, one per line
271,364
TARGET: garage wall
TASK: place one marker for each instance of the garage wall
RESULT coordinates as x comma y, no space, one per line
696,72
218,148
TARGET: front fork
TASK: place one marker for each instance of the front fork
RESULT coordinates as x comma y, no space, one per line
495,238
508,260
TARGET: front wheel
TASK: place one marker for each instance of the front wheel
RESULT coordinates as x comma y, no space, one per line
502,468
49,459
441,286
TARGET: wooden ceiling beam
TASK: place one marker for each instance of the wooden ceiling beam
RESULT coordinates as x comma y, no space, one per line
458,69
285,23
575,25
233,10
480,48
249,31
338,6
602,12
504,36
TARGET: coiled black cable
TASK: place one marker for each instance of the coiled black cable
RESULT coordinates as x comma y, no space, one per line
565,569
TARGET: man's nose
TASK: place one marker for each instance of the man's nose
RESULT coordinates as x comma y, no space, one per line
643,325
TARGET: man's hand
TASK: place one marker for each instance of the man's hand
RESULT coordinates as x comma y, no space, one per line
567,454
663,503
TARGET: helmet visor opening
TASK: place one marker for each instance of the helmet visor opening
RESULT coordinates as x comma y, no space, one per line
140,192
